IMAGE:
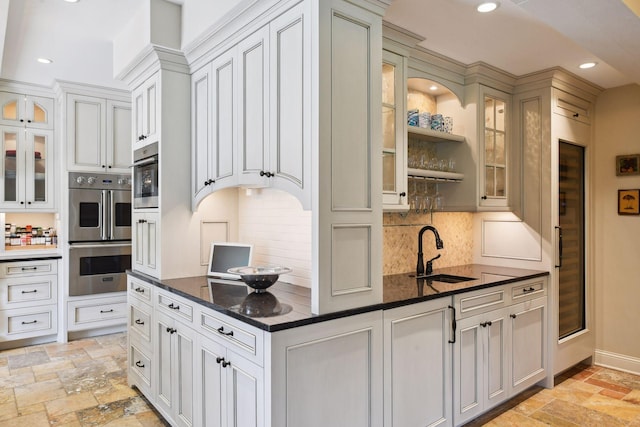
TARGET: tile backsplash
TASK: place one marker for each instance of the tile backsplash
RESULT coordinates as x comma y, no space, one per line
400,248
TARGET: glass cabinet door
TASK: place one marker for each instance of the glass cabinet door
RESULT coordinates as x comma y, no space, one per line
30,111
38,168
12,157
394,159
494,175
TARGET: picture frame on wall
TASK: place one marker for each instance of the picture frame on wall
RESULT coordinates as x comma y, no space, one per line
629,202
628,164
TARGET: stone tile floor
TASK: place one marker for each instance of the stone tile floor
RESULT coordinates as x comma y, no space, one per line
585,396
84,383
81,383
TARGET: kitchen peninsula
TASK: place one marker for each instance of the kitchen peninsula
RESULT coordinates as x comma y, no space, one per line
196,356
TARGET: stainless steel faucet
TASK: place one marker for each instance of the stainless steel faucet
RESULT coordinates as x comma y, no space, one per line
439,245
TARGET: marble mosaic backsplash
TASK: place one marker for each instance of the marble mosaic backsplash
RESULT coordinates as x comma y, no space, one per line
400,248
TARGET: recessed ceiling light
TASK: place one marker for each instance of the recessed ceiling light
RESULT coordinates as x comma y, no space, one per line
72,1
45,60
489,6
433,87
587,65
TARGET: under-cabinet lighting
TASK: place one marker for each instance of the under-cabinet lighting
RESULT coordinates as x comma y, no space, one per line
587,65
489,6
433,87
44,60
72,1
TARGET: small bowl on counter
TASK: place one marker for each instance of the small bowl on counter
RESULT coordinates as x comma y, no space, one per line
259,277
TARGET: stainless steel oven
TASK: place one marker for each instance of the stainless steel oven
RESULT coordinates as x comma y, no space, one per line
145,177
98,268
99,207
99,233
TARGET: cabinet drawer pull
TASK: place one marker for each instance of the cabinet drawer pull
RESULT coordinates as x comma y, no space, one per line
30,292
527,290
30,323
224,363
139,289
174,307
221,330
29,268
139,364
106,311
454,325
172,330
139,322
513,316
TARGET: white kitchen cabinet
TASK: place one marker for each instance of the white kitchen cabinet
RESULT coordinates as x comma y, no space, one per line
249,124
140,330
98,134
92,313
174,353
418,342
394,133
230,387
28,159
500,345
24,110
146,242
528,344
213,126
146,112
28,299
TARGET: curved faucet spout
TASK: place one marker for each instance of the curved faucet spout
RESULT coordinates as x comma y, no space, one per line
439,245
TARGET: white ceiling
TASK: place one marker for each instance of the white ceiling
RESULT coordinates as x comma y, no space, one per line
520,37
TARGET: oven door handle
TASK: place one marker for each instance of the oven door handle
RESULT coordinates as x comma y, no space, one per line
103,213
112,214
98,245
143,162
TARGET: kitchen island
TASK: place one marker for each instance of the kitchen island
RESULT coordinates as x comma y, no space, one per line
198,352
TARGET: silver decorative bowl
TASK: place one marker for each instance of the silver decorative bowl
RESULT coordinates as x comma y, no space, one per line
259,278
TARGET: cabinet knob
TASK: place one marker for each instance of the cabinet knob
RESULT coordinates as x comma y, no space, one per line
267,174
485,324
139,289
22,203
172,330
403,194
28,203
209,181
29,121
484,197
21,120
142,221
576,115
513,316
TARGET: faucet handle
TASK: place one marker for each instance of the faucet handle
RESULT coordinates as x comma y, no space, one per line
430,264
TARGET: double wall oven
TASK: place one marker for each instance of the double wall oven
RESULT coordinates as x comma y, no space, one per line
99,233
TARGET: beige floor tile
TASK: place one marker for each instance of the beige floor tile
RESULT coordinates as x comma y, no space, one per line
114,393
633,397
66,420
6,395
614,407
8,410
71,403
514,419
32,409
39,392
32,420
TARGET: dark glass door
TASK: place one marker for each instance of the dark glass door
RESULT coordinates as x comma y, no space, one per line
571,302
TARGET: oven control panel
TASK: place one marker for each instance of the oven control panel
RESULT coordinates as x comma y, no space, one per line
99,181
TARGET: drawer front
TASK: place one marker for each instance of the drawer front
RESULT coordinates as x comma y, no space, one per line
140,322
139,289
27,291
140,370
97,313
28,268
243,340
476,302
530,289
175,306
29,322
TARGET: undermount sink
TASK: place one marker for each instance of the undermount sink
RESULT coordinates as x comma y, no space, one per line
445,278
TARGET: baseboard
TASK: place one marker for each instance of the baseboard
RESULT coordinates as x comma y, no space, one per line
618,361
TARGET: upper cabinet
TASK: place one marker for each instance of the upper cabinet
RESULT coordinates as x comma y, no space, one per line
248,125
27,165
25,110
98,134
494,151
146,110
394,133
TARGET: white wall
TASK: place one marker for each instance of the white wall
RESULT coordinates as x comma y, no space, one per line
617,131
280,230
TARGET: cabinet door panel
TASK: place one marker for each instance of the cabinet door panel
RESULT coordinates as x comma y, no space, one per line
201,106
222,131
496,379
86,128
211,384
118,147
468,376
528,332
165,361
245,388
183,379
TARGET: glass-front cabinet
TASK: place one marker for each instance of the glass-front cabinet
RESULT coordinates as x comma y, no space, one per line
24,110
494,152
27,165
394,134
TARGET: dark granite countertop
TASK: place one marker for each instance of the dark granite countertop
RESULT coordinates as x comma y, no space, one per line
295,301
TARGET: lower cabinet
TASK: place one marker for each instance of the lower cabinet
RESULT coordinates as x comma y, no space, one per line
230,387
386,368
175,346
418,342
90,313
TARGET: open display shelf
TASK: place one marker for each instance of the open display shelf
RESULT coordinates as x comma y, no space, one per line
432,175
425,134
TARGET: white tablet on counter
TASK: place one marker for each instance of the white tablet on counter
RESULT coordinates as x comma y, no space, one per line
225,255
